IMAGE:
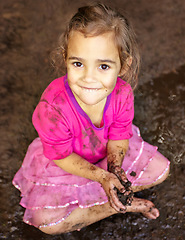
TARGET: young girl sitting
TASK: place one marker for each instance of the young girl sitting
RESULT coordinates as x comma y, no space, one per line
88,150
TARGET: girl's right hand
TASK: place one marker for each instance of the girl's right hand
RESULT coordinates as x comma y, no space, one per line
110,184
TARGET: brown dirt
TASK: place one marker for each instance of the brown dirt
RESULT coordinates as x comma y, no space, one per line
28,32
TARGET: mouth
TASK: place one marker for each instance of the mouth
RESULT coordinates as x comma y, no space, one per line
90,89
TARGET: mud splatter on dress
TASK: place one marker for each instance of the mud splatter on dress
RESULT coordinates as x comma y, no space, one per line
63,128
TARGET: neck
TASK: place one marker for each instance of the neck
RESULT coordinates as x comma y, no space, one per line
94,112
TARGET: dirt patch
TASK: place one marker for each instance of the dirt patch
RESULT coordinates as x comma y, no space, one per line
28,32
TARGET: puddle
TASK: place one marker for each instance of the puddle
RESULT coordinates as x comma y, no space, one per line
160,113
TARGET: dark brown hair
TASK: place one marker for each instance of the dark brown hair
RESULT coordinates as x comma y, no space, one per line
96,20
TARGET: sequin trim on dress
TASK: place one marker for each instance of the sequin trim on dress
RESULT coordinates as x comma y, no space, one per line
62,219
159,177
61,184
163,172
17,186
52,207
141,173
138,156
49,224
93,204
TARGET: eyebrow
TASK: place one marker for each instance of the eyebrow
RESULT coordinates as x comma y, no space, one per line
99,60
107,61
75,58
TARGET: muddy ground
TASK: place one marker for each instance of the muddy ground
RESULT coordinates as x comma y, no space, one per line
28,32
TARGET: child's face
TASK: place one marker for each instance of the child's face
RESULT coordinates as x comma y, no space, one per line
93,65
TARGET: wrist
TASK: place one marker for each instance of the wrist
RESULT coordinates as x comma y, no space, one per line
112,167
104,176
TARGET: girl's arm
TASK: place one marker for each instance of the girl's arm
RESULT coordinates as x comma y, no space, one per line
116,150
76,165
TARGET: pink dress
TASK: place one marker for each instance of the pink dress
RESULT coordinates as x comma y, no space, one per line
63,128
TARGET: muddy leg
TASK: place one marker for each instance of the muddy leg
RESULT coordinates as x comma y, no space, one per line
80,218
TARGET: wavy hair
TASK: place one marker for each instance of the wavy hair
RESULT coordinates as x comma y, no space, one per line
96,20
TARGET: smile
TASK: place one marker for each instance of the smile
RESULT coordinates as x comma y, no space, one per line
90,89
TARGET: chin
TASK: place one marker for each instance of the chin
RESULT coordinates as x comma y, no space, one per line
90,103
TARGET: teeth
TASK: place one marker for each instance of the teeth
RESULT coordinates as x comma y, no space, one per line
90,89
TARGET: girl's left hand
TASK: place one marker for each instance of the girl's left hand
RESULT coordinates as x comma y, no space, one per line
111,184
119,172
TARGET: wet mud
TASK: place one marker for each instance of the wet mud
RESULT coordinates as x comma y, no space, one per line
28,33
125,198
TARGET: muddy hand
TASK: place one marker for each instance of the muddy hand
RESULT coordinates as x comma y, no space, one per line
110,185
118,171
125,197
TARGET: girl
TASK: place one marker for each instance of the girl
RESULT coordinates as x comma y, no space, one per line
87,147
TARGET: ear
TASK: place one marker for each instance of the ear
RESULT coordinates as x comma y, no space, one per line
64,54
64,59
126,66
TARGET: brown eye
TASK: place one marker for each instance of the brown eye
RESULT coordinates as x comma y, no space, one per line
104,67
78,64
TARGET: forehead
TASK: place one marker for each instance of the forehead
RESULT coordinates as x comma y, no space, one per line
101,46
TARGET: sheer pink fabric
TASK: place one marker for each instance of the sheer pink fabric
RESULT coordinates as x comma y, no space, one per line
50,194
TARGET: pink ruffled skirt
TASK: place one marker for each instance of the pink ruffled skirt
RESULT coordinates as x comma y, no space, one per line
46,187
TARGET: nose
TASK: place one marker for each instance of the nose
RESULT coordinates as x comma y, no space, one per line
89,75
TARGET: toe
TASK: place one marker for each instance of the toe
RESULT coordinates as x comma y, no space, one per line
153,213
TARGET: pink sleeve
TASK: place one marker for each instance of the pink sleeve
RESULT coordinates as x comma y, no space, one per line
53,130
121,128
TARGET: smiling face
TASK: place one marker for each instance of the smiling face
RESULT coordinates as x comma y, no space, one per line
93,65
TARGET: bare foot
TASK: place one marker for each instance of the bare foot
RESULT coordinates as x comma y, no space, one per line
145,207
153,213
